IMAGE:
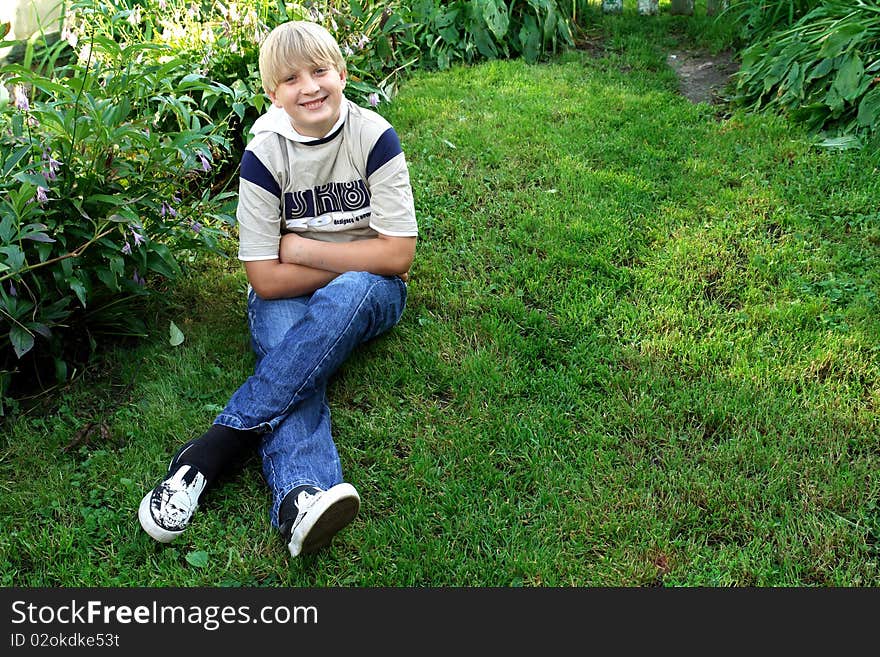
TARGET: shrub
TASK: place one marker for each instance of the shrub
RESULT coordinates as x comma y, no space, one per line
758,19
106,165
823,71
463,32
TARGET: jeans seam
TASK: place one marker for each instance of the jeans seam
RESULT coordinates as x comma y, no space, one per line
348,324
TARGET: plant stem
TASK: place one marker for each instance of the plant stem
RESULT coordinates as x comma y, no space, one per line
73,254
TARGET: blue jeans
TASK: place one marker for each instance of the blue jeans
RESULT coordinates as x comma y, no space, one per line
299,344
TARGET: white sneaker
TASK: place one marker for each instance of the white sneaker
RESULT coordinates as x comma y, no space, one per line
320,515
167,509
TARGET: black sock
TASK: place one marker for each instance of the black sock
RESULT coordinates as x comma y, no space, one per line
216,450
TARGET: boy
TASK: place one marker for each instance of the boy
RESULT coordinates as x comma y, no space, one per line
327,234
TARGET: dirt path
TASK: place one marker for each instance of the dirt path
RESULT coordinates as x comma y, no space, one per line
701,77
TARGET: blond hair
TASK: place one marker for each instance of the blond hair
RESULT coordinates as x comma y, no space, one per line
295,44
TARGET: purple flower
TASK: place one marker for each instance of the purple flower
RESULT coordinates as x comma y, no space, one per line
206,165
347,50
373,99
163,5
362,42
51,173
168,209
138,279
196,227
138,238
21,99
41,196
126,249
12,290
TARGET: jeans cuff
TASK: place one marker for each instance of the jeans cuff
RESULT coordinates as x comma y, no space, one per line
233,422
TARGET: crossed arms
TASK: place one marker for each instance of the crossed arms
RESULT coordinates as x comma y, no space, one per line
304,264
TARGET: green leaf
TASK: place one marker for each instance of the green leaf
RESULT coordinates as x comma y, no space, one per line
162,261
821,69
869,109
14,256
495,14
79,289
176,336
530,38
22,340
849,78
37,237
60,369
197,558
484,43
40,328
108,278
14,159
117,265
843,143
34,179
837,40
106,198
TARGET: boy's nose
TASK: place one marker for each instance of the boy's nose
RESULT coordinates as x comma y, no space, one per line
310,85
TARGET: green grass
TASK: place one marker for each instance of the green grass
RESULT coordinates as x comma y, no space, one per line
641,347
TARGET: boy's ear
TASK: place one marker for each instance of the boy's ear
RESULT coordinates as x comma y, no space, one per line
272,98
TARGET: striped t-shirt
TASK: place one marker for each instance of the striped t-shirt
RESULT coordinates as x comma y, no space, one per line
351,184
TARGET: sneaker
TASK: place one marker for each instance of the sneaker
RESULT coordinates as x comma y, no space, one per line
167,509
320,514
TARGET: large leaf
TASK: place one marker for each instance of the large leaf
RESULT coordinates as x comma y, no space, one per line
175,335
21,339
162,261
14,158
484,43
850,77
79,289
495,14
869,109
530,38
839,39
14,256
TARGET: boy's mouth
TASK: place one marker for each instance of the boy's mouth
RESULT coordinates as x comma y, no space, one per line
313,104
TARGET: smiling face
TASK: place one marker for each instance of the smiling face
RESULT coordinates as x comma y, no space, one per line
311,94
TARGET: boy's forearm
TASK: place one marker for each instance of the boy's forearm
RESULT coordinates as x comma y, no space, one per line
272,279
385,256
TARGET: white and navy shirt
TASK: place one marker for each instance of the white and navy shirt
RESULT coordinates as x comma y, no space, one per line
351,184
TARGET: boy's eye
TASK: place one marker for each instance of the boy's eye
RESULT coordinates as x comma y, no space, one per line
320,71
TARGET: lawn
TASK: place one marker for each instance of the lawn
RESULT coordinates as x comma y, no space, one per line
640,349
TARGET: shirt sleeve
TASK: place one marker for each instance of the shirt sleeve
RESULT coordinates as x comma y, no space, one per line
391,198
259,211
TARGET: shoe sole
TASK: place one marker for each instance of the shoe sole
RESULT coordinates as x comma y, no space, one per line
146,518
336,508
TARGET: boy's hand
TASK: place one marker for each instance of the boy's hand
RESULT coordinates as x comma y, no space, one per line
291,248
